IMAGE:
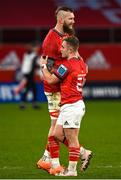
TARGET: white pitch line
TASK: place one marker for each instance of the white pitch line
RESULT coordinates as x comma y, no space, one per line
109,166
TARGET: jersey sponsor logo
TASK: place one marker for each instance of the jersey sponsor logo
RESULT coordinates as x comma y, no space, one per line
62,70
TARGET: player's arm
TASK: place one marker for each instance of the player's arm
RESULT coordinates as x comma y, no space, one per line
50,78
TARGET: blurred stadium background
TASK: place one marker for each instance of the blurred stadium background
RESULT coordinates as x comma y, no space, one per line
23,133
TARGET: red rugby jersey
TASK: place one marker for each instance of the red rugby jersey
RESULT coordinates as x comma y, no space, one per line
72,74
51,47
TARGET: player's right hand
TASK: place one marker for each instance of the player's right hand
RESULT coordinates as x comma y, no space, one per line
43,60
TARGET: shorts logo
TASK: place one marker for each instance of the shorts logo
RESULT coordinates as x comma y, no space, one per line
66,123
77,123
50,104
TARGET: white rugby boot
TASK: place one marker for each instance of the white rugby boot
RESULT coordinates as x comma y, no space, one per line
85,159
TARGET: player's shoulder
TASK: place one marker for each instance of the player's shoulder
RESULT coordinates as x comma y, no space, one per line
82,61
84,66
48,37
52,34
65,62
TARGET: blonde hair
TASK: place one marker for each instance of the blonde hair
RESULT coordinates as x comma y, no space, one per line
61,9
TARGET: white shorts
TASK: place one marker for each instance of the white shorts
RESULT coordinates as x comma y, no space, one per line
71,115
53,100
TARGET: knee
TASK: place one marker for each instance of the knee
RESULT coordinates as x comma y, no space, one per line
72,141
58,136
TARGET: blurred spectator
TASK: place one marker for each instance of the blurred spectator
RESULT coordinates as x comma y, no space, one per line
30,64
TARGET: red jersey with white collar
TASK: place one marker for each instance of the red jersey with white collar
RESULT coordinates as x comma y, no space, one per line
72,74
51,48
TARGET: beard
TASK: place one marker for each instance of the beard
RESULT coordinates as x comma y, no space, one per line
68,30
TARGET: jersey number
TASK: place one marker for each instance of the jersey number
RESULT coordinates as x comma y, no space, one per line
80,82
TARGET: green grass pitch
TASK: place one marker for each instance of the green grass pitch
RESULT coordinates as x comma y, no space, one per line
23,136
